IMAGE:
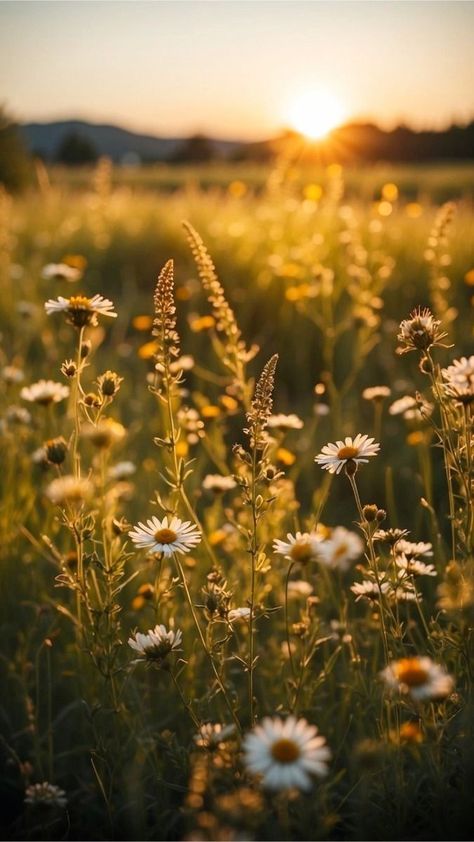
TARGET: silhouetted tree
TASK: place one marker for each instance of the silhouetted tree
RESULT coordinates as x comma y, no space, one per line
196,149
76,149
14,159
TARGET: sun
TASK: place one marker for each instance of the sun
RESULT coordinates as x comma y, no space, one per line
315,113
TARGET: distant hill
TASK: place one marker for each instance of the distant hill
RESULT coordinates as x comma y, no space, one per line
119,144
350,143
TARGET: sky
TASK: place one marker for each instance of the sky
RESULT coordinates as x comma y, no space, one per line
235,69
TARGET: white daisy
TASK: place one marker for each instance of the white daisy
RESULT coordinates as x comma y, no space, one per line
156,644
369,590
413,566
69,489
45,392
299,588
61,272
167,537
286,753
418,677
460,371
302,547
45,795
376,393
412,548
333,457
410,408
285,422
217,483
12,374
341,548
80,310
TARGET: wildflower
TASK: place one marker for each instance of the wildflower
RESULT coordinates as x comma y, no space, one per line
61,272
166,537
12,374
81,311
459,380
413,566
45,795
369,590
202,323
145,594
286,753
390,536
17,415
298,587
211,735
45,392
55,450
412,549
142,322
217,483
333,457
420,332
285,422
103,434
411,408
69,368
210,411
302,547
122,470
376,393
69,489
418,677
184,363
341,548
411,733
286,457
156,644
404,592
109,383
236,614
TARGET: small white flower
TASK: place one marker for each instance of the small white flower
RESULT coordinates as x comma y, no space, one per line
333,457
69,489
184,363
80,310
460,372
285,422
286,753
341,548
404,592
302,547
418,677
103,434
369,590
45,795
122,470
236,614
212,735
45,392
414,549
156,644
61,272
12,374
299,588
167,537
218,483
413,566
376,393
410,408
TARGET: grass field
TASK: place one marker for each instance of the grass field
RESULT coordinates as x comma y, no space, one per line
319,267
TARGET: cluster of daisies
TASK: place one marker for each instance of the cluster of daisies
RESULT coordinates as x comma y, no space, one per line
397,572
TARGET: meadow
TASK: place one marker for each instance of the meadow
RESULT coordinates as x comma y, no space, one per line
225,614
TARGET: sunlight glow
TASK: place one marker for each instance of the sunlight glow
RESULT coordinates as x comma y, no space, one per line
315,113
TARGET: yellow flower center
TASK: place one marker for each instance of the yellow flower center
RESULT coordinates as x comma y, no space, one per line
79,302
302,552
347,452
341,551
410,672
285,751
165,536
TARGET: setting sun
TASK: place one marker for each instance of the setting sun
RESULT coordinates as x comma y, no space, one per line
316,113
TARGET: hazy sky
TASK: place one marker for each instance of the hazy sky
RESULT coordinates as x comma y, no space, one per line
233,68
